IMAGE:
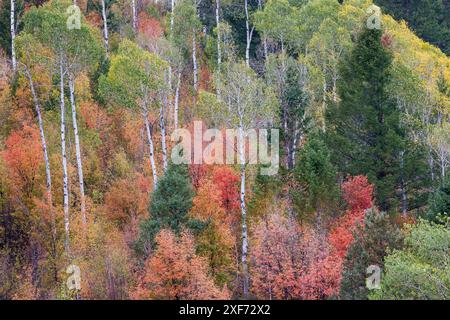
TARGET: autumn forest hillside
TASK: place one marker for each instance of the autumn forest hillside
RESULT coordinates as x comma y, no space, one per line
104,105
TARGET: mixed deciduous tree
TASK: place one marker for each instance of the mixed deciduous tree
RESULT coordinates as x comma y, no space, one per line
373,241
358,193
421,269
176,272
248,104
133,81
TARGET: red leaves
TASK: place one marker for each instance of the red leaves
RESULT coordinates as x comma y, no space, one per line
219,188
358,193
290,262
277,258
323,278
23,156
227,182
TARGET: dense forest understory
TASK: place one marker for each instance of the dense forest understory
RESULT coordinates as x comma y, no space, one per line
99,201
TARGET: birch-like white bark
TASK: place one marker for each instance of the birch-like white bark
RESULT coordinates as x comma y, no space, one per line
249,34
77,149
44,150
150,143
245,277
266,50
134,13
105,28
443,158
162,125
13,36
64,163
194,60
431,163
219,53
172,6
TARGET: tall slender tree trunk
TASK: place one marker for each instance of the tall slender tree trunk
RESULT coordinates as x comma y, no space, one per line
431,163
177,100
245,277
150,143
443,159
219,53
194,60
324,98
134,13
295,140
64,163
13,36
249,34
77,149
105,28
48,176
162,125
172,7
266,50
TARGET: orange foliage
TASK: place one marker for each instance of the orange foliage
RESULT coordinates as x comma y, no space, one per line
95,19
216,242
208,203
227,181
95,117
176,272
104,258
127,200
149,27
23,156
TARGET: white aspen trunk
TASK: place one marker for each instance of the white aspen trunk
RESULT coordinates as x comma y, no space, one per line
134,13
77,149
13,36
177,98
150,143
44,150
105,27
249,34
219,53
431,163
324,97
443,159
266,53
194,61
294,143
162,125
245,277
172,6
170,97
266,50
64,163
